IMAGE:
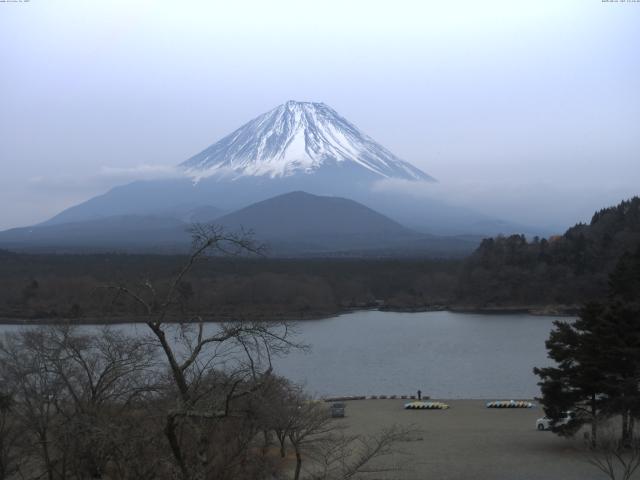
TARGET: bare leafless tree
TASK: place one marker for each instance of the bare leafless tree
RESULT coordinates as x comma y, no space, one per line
615,458
102,374
331,452
309,422
70,390
277,407
212,368
35,389
342,456
10,436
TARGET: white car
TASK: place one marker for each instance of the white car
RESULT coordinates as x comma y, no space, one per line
544,423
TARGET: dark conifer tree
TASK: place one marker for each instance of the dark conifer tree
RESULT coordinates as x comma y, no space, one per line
577,383
597,372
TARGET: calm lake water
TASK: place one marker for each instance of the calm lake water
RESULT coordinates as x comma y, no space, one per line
445,354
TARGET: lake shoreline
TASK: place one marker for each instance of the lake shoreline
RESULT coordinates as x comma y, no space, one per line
536,310
539,310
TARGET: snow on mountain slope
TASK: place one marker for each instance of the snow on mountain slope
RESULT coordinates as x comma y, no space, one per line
298,138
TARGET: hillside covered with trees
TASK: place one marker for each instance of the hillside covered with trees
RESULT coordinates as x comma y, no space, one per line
41,287
562,270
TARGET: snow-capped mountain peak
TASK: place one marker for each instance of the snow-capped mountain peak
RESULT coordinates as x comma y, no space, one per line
298,138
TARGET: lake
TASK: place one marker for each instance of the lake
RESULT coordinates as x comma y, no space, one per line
444,354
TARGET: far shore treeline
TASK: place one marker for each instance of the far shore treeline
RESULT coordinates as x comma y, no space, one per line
550,275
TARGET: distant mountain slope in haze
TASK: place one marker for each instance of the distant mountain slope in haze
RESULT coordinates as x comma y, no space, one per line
302,223
292,224
300,214
194,214
126,232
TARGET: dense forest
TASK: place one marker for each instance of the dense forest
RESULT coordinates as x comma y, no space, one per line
38,287
554,274
562,270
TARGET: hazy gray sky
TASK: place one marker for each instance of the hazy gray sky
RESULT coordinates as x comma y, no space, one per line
528,110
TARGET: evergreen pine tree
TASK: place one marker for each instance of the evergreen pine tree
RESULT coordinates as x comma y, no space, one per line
597,371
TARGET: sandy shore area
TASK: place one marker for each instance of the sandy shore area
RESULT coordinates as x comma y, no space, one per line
470,441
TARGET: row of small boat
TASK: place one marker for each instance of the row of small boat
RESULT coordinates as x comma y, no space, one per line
444,406
510,404
426,406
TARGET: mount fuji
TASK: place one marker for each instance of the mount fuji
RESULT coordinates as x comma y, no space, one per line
296,147
299,138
